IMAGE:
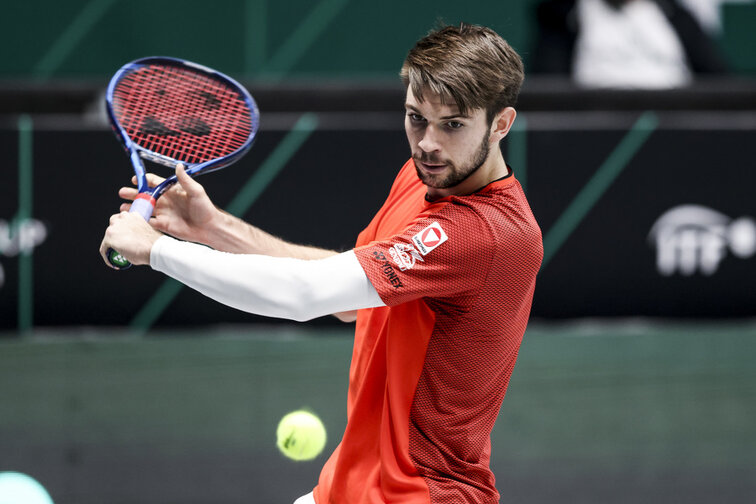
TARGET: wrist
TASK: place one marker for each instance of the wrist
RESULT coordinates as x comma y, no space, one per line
223,232
206,231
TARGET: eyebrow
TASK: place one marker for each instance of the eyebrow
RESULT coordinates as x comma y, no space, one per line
453,116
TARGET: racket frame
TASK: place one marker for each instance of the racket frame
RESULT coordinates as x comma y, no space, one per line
147,196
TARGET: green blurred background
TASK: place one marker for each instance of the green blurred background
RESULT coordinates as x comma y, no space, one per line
596,412
264,39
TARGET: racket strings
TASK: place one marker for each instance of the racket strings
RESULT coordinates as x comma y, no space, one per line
181,114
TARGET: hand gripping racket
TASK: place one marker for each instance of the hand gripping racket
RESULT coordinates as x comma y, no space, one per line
170,111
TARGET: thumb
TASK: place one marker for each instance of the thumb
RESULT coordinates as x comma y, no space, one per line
186,182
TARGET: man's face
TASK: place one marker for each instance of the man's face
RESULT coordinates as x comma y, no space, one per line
447,147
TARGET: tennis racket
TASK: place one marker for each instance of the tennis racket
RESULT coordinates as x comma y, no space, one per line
169,111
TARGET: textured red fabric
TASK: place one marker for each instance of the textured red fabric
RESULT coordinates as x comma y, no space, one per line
429,371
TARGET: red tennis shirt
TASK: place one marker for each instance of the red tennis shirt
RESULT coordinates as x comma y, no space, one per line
429,371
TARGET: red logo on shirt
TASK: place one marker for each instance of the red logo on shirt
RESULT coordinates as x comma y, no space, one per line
429,238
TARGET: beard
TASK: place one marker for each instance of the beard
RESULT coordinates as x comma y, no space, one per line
454,174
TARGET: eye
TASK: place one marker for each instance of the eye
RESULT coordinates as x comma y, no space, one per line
454,125
415,118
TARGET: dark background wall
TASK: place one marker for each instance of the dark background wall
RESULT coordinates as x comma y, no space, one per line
596,197
597,181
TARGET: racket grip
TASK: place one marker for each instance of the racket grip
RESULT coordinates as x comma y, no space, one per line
143,205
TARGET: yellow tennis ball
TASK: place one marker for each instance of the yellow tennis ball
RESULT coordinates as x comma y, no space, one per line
301,435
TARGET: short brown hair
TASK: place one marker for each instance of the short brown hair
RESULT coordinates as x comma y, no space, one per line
469,65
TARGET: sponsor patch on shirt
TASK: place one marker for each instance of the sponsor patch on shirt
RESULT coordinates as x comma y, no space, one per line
388,270
405,255
429,238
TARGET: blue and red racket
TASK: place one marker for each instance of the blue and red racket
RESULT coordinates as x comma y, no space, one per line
170,111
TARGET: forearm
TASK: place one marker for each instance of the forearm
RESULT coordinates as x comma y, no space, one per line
228,233
271,286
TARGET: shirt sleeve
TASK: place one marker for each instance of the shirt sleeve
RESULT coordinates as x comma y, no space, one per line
446,254
280,287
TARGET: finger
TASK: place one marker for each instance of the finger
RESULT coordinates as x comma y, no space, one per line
154,180
104,247
127,193
187,183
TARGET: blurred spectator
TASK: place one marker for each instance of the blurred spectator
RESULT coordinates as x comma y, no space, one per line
642,44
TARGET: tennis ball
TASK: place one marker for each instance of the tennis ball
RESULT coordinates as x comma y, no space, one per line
301,435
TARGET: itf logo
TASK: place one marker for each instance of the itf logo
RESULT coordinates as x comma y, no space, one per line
693,238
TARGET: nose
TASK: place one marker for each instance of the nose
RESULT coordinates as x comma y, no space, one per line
429,142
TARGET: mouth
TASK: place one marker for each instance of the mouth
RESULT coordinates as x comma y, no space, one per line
431,167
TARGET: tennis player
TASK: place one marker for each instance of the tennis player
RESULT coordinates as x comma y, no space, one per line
440,282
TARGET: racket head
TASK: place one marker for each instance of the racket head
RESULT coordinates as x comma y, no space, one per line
170,111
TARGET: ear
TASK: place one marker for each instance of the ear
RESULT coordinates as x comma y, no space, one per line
502,123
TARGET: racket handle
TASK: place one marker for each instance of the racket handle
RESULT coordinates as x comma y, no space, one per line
144,204
117,260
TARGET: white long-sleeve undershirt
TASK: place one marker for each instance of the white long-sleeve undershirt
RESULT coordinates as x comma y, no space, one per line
279,287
